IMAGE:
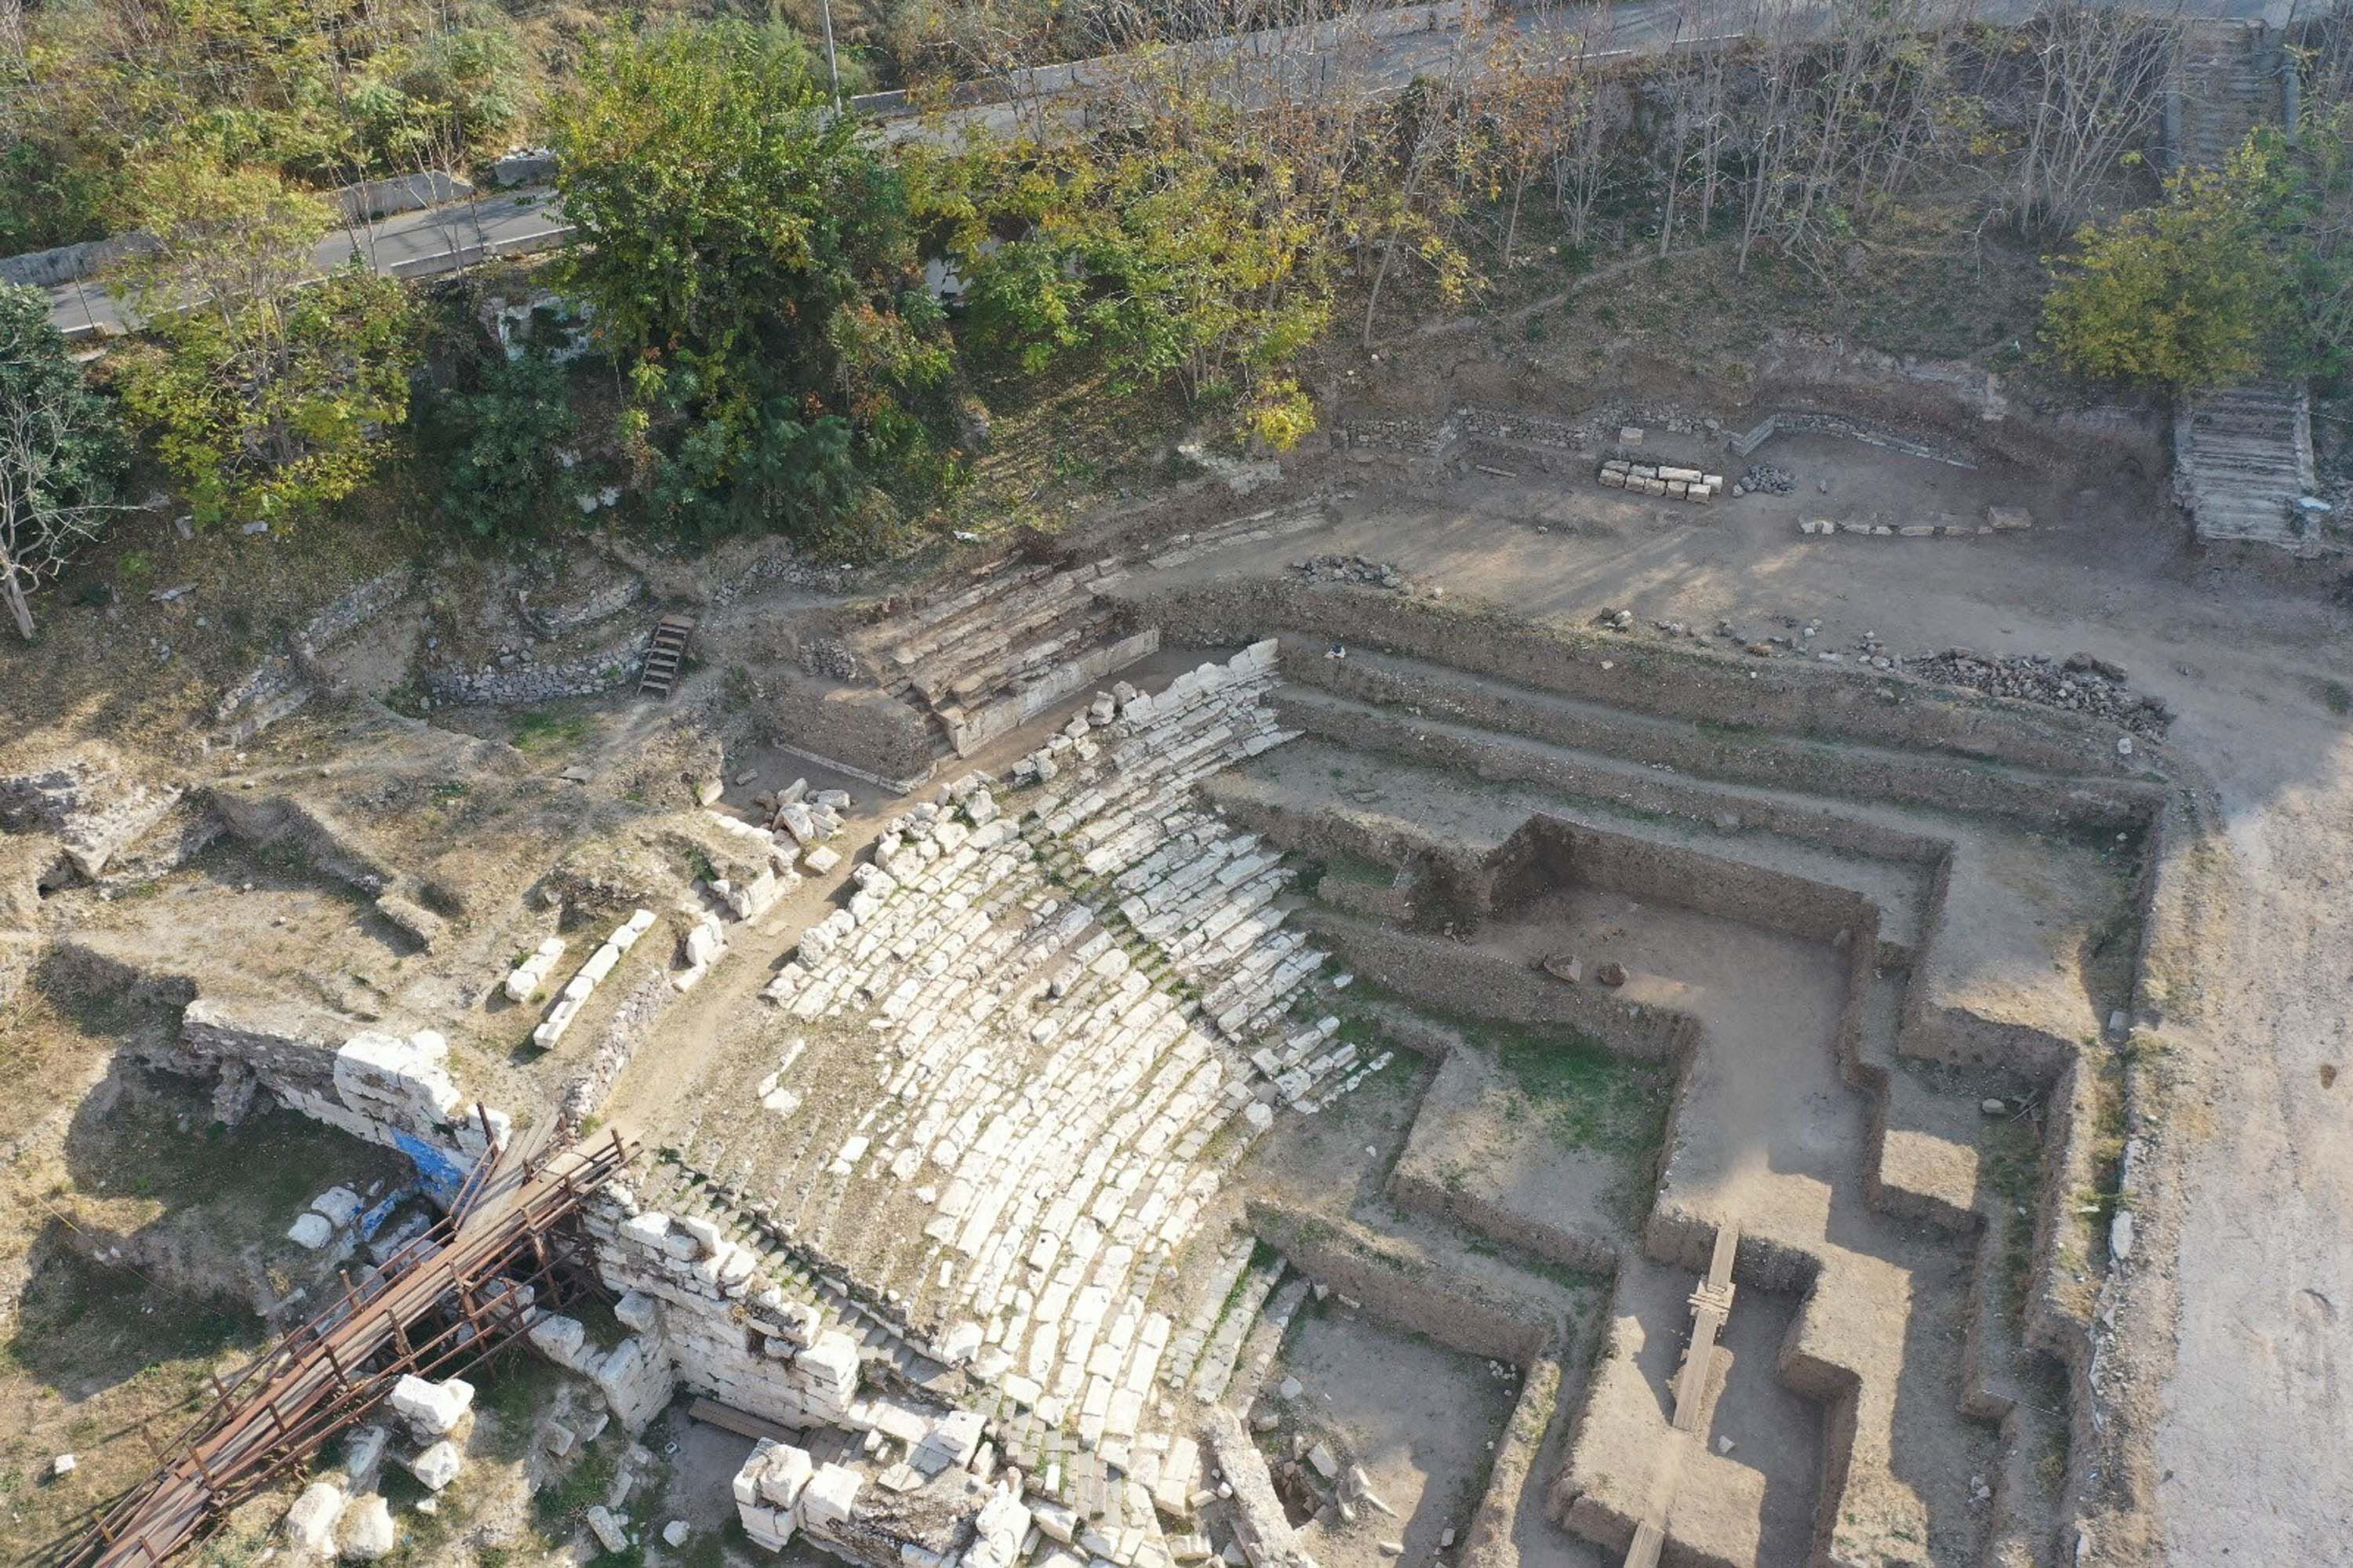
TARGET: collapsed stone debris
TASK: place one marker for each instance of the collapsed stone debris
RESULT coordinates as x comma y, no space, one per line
1348,569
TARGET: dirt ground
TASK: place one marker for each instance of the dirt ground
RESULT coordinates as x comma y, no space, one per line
1421,1419
2230,1347
2251,1184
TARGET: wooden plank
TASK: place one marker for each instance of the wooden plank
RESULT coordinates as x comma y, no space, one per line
727,1418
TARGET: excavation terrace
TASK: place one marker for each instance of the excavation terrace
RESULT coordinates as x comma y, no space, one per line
1244,1031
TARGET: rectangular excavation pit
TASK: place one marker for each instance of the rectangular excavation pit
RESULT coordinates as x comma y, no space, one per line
1538,1138
1419,1419
1741,1486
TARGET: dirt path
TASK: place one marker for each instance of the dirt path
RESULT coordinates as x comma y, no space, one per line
2250,1444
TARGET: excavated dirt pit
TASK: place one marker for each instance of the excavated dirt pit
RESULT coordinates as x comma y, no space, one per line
1419,1419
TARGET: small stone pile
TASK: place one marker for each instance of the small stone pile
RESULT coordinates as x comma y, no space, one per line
828,657
1763,478
1349,569
2082,683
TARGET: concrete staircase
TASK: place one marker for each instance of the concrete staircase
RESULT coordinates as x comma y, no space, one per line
2243,462
2226,82
1015,637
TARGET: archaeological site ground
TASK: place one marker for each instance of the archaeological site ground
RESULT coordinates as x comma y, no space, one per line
1673,941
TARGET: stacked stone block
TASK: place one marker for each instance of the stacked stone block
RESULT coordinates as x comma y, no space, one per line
1661,478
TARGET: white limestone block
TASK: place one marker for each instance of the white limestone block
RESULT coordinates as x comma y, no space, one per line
437,1466
431,1408
312,1230
310,1522
828,1498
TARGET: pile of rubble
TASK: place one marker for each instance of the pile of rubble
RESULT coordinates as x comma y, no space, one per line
1349,569
2080,682
811,816
1763,478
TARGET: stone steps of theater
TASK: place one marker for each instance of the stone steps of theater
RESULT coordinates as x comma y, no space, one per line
1012,640
927,647
781,1264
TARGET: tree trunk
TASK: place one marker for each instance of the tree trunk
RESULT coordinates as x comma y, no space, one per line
12,589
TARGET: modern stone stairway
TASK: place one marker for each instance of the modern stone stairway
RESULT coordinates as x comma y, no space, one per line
2243,465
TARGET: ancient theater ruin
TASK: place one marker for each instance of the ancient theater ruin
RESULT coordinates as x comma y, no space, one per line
1218,1051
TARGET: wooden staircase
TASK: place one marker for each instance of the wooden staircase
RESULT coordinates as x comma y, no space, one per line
666,656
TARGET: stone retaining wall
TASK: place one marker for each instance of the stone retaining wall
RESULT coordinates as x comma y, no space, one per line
1675,683
877,736
1402,1287
1451,978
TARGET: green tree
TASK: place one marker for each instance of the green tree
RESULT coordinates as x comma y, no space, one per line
2196,291
1176,245
504,474
747,253
60,452
266,393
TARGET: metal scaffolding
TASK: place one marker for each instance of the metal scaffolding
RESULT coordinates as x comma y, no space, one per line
464,1289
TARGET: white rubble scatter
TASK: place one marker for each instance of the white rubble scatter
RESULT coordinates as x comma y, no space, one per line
312,1230
607,1528
310,1522
675,1532
437,1466
819,860
524,980
431,1409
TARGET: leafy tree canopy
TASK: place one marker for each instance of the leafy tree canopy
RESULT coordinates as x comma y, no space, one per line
2238,271
749,258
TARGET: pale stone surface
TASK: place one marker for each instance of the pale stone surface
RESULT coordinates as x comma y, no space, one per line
310,1522
312,1230
437,1466
364,1532
431,1408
